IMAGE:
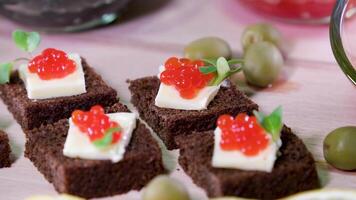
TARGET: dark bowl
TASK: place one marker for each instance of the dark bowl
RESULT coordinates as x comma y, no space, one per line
62,15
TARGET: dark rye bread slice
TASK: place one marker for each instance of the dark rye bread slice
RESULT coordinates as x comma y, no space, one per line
5,150
294,170
94,178
32,113
169,123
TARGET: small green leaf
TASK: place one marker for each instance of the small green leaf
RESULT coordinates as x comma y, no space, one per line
5,72
223,69
210,61
107,139
222,66
27,41
259,115
235,61
234,70
207,69
272,123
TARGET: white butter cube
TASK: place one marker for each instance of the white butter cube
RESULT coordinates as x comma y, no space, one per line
169,97
78,144
71,85
264,161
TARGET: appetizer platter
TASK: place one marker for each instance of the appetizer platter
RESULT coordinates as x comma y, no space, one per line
195,121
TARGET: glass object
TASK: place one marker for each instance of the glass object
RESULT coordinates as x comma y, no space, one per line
306,11
342,37
62,15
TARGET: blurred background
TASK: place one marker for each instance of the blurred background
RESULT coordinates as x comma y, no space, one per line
127,39
68,15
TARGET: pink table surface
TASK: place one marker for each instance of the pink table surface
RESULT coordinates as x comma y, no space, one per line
315,95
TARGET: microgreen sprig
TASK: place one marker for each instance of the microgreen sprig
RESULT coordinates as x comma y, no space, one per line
5,72
26,41
222,68
107,139
271,123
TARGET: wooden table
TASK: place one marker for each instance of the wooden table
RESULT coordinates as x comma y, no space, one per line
315,95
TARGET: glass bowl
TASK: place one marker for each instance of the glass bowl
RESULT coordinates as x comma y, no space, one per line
305,11
62,15
342,37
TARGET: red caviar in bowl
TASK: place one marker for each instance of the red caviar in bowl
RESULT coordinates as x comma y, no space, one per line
52,64
95,123
242,133
185,76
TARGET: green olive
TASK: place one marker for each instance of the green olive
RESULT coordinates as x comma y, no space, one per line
164,188
263,63
207,48
260,32
340,148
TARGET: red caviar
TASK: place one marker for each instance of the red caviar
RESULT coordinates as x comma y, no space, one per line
95,123
52,64
242,133
185,76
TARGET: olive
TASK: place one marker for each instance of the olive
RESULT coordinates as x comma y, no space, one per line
263,63
260,32
340,148
207,48
164,188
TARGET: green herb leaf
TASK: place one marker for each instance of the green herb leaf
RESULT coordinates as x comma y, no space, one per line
210,61
222,66
235,61
234,70
272,123
207,69
259,115
27,41
107,139
5,72
223,69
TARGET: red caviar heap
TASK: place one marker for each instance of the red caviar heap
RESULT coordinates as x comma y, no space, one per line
95,124
52,64
243,133
185,76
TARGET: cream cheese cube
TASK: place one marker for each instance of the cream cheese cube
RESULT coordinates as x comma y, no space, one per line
73,84
169,97
78,144
264,161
